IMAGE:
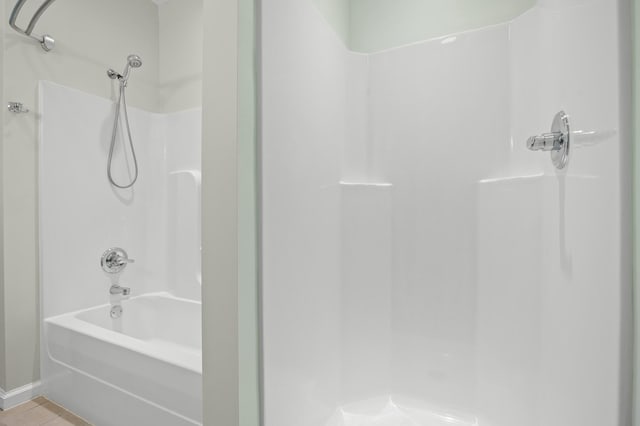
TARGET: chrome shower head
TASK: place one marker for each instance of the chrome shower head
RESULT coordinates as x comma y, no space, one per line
134,61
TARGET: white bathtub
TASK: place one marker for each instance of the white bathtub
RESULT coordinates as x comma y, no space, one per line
144,368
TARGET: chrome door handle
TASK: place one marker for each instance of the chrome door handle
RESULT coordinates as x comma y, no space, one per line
557,141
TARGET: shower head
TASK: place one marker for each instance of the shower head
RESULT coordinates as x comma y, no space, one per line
134,61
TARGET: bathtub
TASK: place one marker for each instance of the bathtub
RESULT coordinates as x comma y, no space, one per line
141,369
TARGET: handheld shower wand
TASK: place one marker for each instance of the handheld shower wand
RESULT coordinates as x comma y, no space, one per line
133,61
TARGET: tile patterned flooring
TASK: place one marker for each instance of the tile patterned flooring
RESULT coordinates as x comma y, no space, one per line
37,412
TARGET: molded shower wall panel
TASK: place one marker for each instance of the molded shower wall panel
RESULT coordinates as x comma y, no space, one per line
585,270
157,221
82,215
436,129
183,145
366,297
498,260
304,130
509,304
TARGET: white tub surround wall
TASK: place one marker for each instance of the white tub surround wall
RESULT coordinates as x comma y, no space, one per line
80,209
455,280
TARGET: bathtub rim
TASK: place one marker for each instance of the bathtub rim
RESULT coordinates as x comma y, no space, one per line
180,358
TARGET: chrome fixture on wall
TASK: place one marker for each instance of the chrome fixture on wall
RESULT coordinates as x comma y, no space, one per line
46,41
133,61
557,141
17,107
114,260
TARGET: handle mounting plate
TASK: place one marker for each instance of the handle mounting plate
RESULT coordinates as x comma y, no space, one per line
560,158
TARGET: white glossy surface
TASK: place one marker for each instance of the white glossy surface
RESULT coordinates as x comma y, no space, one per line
459,273
156,222
152,354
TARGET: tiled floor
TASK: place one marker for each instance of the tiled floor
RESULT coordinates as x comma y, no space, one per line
38,412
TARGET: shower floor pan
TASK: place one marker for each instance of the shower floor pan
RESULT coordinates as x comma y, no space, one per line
392,411
143,368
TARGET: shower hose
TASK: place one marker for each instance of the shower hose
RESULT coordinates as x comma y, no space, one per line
121,101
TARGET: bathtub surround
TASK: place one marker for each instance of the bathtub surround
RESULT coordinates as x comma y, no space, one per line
489,263
157,223
79,60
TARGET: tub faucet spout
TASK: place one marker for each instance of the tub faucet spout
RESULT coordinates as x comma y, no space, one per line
116,289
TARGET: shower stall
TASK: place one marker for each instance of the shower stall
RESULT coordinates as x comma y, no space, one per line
441,233
422,264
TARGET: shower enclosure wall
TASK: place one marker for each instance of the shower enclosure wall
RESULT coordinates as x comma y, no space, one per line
420,265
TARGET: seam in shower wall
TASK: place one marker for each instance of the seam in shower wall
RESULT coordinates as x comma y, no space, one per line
248,226
3,354
634,8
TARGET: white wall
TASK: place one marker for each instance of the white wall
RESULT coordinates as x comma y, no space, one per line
220,334
468,268
180,45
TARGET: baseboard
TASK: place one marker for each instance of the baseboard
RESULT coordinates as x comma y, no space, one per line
19,395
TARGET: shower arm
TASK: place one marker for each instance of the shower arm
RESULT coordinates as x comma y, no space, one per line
46,41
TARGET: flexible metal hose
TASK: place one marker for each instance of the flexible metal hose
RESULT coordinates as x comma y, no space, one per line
121,101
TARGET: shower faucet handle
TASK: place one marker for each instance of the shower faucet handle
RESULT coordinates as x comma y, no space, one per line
546,142
557,141
114,260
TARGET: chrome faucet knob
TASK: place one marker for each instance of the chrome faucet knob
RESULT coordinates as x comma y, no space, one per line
557,141
546,142
114,260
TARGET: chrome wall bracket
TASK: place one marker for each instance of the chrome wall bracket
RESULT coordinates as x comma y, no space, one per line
558,141
46,41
